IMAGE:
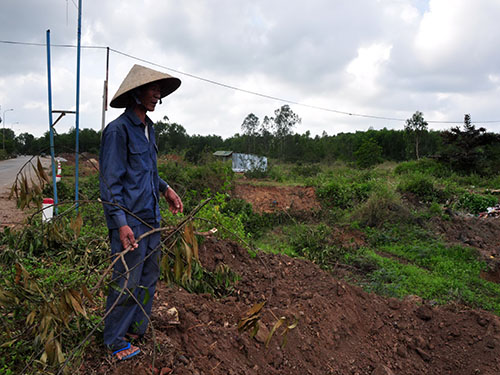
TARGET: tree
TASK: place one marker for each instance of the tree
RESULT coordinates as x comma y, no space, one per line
283,122
416,125
250,127
368,154
470,150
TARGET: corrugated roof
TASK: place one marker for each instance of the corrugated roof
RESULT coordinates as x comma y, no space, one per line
223,153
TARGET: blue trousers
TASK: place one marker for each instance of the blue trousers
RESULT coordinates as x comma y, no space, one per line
144,270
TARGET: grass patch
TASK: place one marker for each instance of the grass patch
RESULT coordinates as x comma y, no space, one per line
444,283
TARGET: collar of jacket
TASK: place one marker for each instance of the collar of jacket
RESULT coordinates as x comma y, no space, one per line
129,112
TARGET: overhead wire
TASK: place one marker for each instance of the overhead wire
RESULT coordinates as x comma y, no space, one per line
250,92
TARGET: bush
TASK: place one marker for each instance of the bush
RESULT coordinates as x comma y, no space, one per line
475,203
381,207
314,243
194,183
344,195
422,186
255,224
424,166
308,170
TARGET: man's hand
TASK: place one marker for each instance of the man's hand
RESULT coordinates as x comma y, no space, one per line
127,238
173,200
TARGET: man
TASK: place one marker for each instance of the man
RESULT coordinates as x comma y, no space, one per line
130,188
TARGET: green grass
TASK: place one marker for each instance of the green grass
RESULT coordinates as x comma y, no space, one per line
444,283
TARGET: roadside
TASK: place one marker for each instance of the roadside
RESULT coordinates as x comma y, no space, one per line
10,215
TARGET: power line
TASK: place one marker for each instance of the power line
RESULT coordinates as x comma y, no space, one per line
235,88
52,45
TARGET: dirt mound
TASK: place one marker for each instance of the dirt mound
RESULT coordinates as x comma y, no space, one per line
270,198
341,329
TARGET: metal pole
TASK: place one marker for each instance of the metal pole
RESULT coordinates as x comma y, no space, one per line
77,148
51,131
105,93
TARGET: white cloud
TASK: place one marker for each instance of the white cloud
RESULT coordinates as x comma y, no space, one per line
365,68
385,58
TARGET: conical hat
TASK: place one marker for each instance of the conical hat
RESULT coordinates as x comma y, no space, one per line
138,76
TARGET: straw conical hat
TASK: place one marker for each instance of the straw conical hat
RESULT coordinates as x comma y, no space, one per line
138,76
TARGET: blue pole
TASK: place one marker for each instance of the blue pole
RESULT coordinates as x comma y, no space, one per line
77,148
51,131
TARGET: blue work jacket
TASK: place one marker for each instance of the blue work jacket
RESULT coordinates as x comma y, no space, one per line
129,172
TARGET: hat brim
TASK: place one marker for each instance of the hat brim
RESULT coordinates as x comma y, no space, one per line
167,86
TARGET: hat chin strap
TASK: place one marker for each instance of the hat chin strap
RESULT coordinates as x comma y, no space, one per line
137,101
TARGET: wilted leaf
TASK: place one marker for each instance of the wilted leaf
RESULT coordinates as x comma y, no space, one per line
59,353
41,171
76,224
285,332
77,307
8,343
50,348
31,318
278,324
178,265
87,294
251,317
189,257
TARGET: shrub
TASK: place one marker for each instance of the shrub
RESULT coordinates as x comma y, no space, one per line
475,203
381,207
368,154
314,243
421,186
255,224
308,170
344,195
425,166
194,183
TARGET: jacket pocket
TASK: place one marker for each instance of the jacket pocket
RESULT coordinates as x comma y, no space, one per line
139,159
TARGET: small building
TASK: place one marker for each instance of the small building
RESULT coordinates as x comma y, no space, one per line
224,155
243,162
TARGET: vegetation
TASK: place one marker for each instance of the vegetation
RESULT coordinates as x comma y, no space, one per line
465,151
380,192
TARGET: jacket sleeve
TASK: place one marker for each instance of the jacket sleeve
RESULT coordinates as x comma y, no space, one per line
113,170
163,185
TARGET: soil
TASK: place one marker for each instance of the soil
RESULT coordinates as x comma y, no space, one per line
271,198
10,215
341,329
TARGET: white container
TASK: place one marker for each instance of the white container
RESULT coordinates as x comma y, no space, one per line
48,209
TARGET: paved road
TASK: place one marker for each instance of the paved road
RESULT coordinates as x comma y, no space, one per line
9,169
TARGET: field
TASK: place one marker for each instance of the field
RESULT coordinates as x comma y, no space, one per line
335,269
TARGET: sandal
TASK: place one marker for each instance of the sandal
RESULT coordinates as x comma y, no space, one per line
128,356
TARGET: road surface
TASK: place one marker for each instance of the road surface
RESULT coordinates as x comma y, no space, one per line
9,169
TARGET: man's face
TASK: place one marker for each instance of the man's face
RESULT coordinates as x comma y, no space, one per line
149,96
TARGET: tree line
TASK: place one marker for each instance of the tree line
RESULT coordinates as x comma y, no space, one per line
465,148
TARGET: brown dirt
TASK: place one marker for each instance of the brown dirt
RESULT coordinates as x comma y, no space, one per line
341,329
269,198
10,215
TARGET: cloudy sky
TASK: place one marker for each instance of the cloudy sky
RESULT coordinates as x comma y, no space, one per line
382,58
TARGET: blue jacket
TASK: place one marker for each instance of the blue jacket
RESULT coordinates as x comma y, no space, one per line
129,173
